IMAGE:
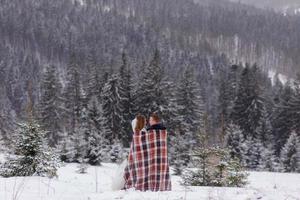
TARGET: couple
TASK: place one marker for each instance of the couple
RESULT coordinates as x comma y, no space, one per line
147,167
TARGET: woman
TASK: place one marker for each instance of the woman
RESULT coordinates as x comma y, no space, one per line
122,182
147,167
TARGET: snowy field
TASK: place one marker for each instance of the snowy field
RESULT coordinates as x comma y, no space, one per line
96,185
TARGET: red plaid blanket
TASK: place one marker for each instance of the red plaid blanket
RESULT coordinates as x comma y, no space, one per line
148,167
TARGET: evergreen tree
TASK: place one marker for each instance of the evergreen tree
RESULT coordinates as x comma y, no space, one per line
116,152
179,153
233,83
289,154
215,168
190,107
224,100
264,131
236,176
269,162
249,104
202,176
201,155
228,88
294,105
33,156
126,101
281,119
95,85
277,89
7,125
50,107
252,154
112,111
98,146
150,95
66,148
169,113
80,137
72,95
234,142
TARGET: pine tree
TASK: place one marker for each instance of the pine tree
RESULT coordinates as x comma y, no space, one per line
277,89
281,119
224,100
98,146
81,136
178,153
294,105
95,148
66,148
236,176
201,156
264,132
116,152
269,162
228,89
298,158
190,107
126,101
72,95
33,156
248,106
50,107
234,142
169,112
289,154
112,111
7,125
216,168
252,153
150,95
95,86
202,176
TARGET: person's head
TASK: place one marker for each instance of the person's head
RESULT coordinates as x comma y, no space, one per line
140,122
154,119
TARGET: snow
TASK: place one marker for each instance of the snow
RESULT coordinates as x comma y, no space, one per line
96,185
2,158
281,77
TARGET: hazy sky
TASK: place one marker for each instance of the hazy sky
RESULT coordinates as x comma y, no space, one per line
277,4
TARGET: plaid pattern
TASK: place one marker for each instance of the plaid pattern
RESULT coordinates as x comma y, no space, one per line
148,167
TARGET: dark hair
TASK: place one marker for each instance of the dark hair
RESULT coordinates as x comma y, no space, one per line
155,117
140,122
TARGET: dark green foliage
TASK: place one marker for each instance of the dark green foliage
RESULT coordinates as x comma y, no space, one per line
249,104
215,168
126,101
112,111
178,153
72,95
290,155
33,156
150,93
281,118
236,176
50,107
234,140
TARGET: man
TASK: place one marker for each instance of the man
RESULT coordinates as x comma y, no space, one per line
148,167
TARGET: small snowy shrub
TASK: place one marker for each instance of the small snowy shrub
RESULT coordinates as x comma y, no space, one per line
215,168
32,155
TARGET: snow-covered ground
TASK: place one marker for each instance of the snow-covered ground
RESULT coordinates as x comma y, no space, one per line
96,185
282,78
